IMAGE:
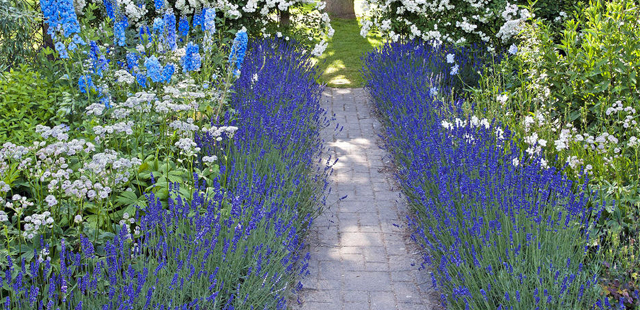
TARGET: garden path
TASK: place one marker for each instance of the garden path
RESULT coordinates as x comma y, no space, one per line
361,256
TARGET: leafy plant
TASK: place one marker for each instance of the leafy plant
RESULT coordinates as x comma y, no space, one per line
27,100
18,33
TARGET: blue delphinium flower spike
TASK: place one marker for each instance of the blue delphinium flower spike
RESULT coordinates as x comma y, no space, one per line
183,26
191,60
62,50
119,38
210,20
167,72
158,26
238,49
198,19
159,4
154,69
170,30
85,84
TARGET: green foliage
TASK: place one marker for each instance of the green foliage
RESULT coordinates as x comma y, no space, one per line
577,102
18,26
26,100
341,61
600,64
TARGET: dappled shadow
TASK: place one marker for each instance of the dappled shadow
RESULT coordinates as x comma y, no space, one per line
341,62
360,251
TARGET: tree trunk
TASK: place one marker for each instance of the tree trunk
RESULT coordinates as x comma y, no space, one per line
341,9
47,41
285,18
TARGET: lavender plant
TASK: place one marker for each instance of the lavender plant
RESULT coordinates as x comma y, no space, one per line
236,243
498,229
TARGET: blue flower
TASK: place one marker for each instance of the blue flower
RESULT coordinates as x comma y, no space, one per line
132,60
62,50
108,5
159,4
60,13
154,69
167,72
513,49
119,38
141,79
158,25
210,20
238,49
198,19
183,26
68,17
85,84
191,60
170,30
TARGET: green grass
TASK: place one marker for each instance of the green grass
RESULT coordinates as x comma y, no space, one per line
340,64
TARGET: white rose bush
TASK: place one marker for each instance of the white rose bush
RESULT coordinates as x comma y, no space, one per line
491,23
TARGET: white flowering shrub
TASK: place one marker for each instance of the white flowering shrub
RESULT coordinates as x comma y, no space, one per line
493,23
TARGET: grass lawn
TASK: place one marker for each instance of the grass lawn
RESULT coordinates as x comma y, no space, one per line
340,64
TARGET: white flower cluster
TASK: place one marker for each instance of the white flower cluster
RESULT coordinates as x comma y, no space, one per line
262,14
184,127
514,22
117,128
134,12
18,202
44,255
34,222
535,144
450,21
123,76
187,146
217,132
108,162
57,132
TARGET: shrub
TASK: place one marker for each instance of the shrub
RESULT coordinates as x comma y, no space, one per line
498,230
577,101
18,27
27,100
494,23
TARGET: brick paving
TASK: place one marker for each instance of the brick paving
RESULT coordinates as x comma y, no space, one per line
360,259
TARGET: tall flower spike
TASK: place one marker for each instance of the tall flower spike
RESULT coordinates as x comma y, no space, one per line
238,49
154,69
183,26
191,60
170,30
119,38
210,20
198,19
62,50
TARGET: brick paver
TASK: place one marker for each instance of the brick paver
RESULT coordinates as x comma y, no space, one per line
361,256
